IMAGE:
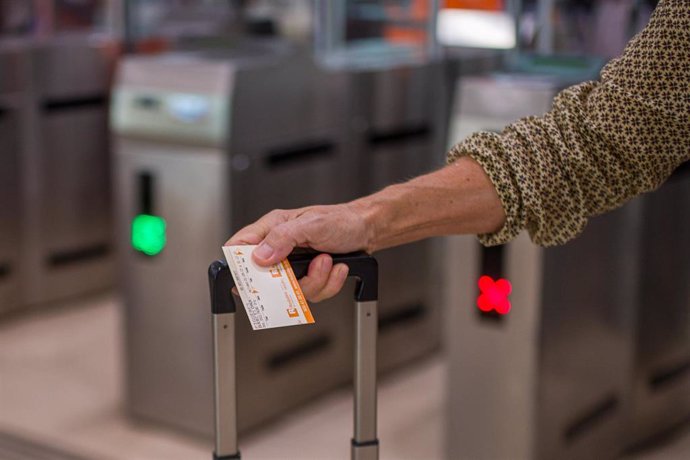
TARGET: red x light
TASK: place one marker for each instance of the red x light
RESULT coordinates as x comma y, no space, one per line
494,295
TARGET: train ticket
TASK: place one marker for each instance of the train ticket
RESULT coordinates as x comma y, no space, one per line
271,296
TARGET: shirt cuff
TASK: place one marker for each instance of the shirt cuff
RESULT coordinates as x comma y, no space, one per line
484,148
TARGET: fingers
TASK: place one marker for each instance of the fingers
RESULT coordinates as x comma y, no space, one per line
317,276
277,233
324,280
278,243
256,232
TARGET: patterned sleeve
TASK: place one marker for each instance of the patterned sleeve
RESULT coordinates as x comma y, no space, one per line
601,144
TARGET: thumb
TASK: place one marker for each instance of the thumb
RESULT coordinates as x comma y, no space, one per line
276,246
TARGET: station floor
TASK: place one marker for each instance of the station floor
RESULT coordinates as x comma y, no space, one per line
61,387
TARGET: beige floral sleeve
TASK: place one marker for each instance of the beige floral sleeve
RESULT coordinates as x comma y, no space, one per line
601,144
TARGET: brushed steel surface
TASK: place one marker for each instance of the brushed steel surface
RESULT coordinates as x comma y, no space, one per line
167,321
10,198
366,331
550,380
73,66
587,320
489,103
205,187
225,384
13,91
492,365
192,197
75,201
66,215
661,381
13,64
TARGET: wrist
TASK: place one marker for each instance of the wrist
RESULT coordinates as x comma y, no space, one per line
377,212
369,211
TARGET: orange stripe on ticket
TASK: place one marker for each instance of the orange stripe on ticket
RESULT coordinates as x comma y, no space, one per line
298,291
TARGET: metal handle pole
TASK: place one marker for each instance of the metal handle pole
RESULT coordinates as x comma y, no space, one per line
225,387
365,444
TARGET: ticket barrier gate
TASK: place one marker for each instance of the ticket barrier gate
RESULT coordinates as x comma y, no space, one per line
213,150
661,381
549,379
651,347
606,366
206,143
12,62
66,208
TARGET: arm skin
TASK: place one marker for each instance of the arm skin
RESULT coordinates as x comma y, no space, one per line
458,198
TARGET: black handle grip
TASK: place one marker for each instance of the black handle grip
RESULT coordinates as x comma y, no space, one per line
221,283
362,266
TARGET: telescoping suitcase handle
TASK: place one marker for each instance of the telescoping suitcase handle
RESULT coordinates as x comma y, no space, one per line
363,267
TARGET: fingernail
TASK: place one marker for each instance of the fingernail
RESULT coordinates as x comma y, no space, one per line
263,251
343,270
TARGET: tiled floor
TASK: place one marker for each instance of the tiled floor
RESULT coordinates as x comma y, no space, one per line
61,386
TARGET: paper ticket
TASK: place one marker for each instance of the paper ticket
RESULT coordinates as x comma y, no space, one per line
271,296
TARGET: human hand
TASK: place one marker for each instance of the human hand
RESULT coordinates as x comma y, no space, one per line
338,228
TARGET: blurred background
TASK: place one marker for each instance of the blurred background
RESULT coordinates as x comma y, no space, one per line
137,135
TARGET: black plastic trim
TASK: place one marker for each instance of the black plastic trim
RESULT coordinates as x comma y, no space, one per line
78,255
5,270
146,185
236,456
286,156
298,352
662,377
57,105
491,316
493,258
221,283
362,266
148,102
374,442
599,412
399,134
3,112
492,264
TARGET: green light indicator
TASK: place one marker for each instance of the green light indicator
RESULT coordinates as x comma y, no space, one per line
148,234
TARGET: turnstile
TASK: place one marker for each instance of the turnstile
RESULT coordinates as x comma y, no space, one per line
66,213
12,81
206,143
550,379
661,378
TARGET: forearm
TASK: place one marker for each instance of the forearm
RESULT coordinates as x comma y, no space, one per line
457,199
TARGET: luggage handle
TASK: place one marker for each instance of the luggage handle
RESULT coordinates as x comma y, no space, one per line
361,266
